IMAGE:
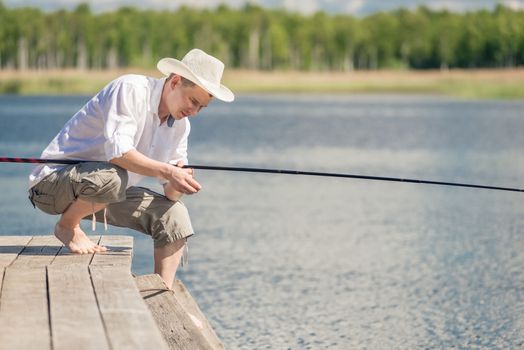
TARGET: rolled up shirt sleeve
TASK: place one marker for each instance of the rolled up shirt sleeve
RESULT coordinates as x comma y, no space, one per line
120,124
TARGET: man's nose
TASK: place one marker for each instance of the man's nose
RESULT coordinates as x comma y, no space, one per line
192,111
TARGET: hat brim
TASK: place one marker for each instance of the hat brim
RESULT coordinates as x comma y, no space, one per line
170,65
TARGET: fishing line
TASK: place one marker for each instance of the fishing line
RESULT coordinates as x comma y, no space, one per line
282,171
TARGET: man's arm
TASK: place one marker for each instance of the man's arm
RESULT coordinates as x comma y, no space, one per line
179,179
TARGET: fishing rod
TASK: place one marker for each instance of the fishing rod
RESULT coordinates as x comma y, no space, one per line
280,171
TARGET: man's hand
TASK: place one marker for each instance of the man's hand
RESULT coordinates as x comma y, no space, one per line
181,180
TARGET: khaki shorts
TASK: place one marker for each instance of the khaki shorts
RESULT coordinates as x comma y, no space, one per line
137,208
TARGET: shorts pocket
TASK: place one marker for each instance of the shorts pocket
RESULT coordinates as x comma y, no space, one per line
45,202
91,184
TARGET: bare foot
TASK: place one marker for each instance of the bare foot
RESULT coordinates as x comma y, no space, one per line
76,240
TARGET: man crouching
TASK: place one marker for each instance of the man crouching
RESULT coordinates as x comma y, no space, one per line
136,126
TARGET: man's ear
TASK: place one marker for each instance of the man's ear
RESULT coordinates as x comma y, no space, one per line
175,79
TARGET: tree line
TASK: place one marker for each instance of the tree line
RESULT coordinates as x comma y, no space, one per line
258,38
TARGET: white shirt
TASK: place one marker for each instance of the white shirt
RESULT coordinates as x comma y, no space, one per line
121,117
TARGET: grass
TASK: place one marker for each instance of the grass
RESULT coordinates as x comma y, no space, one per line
477,84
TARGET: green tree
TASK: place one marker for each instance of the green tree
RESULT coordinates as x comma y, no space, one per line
257,38
344,41
446,39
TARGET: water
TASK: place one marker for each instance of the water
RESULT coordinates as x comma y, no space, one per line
289,262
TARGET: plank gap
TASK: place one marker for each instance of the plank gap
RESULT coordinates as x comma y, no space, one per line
20,252
10,248
106,333
93,256
48,306
2,287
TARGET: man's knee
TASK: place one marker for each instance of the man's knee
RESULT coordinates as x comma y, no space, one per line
173,225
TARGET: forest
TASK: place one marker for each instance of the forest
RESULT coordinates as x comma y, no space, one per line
256,38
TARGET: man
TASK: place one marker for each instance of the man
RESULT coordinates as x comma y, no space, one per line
136,126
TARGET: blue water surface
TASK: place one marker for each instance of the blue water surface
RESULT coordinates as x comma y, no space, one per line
293,262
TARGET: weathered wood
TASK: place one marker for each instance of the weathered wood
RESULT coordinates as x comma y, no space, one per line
75,320
24,321
10,247
2,274
39,252
177,315
190,305
50,298
66,258
120,251
177,328
129,323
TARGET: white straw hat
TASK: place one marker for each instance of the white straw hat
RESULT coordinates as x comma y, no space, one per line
202,69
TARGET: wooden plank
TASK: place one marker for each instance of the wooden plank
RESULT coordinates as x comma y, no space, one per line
2,274
10,247
181,330
129,323
75,320
24,319
120,251
190,305
39,252
66,258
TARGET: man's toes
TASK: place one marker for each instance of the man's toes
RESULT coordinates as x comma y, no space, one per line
75,250
100,248
83,250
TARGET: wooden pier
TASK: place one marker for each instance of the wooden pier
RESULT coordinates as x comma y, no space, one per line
51,299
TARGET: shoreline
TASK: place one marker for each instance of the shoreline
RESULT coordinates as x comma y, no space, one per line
475,84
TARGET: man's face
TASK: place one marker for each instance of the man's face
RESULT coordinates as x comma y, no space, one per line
184,101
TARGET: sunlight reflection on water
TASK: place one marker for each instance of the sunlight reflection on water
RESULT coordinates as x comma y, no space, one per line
305,263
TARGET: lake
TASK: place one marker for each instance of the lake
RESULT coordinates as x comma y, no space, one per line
297,262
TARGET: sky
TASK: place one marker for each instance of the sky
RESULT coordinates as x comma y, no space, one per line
354,7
